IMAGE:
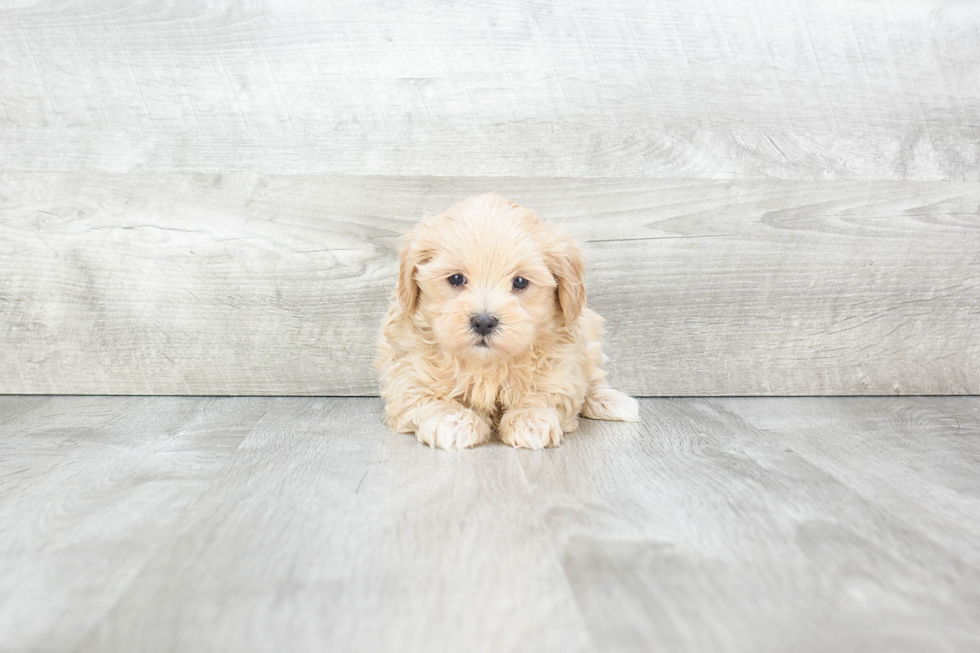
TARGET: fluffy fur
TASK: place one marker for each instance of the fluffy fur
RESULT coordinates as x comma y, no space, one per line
530,378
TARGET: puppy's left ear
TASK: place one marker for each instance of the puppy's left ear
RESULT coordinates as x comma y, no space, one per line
567,264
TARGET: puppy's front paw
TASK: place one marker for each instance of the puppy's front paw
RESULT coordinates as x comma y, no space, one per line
453,428
531,428
606,403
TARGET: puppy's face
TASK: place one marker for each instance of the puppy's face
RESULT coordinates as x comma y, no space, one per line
488,277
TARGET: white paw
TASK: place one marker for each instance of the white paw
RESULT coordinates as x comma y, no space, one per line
606,403
531,428
453,428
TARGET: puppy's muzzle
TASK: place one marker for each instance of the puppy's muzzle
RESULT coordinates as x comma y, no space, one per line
483,324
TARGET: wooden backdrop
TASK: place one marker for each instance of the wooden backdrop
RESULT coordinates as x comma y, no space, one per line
204,197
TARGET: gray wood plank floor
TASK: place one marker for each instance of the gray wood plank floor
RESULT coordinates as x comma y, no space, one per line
302,524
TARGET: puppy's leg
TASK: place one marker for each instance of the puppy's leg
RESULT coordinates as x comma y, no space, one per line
605,403
410,407
448,425
541,419
601,401
534,427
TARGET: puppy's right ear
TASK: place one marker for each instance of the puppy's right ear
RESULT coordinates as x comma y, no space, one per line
409,258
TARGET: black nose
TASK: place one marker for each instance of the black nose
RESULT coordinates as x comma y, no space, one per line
483,323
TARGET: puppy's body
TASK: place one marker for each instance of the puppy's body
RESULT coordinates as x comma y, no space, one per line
490,332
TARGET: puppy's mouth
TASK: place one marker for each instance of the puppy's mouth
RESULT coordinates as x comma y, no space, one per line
483,344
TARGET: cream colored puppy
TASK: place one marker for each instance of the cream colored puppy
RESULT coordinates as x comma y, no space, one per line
489,332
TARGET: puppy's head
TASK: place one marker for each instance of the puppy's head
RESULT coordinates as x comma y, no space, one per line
488,277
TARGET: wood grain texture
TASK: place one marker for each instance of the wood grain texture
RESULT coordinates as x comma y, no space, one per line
255,284
302,524
89,491
694,89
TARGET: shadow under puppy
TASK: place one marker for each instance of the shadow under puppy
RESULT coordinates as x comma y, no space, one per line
489,332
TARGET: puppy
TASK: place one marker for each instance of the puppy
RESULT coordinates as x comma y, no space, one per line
489,331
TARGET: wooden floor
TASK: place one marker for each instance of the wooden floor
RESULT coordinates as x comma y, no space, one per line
302,524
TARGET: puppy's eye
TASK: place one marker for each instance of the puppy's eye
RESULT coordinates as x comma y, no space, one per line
457,280
519,283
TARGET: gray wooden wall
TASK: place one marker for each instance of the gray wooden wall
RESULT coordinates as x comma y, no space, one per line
776,197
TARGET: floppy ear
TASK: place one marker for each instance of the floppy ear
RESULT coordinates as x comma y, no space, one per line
407,291
411,255
568,267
